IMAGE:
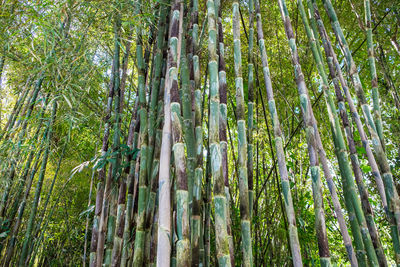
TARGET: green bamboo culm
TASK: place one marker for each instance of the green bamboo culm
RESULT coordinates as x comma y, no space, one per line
138,256
357,120
122,179
290,213
242,143
250,106
223,130
178,146
367,209
222,241
115,165
376,110
392,197
340,146
197,229
11,165
311,133
24,257
26,180
154,123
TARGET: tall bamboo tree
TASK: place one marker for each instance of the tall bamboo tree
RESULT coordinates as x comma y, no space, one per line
376,111
138,258
311,129
250,105
24,257
222,242
197,229
164,226
178,148
339,143
392,196
363,137
290,213
242,143
222,129
352,148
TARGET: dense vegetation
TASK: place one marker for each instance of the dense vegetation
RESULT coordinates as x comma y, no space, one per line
199,133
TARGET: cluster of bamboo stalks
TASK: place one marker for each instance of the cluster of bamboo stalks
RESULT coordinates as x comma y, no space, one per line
157,200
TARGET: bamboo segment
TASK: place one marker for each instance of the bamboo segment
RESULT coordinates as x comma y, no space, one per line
245,217
222,241
350,139
222,130
250,106
340,145
376,110
290,213
393,202
311,133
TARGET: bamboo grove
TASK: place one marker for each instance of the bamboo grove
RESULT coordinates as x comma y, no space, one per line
199,133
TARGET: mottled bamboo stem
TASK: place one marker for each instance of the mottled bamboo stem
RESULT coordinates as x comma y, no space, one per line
311,133
376,110
290,213
222,242
222,130
250,106
339,143
350,139
393,202
139,249
242,143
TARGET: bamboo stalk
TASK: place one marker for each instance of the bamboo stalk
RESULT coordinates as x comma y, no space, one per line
222,242
376,110
290,213
340,145
197,229
138,257
222,130
250,106
245,216
311,132
353,152
164,201
393,202
28,234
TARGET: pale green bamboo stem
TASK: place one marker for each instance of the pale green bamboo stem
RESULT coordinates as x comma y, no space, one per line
290,213
250,106
222,242
376,110
242,143
28,234
222,131
340,147
311,133
138,257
